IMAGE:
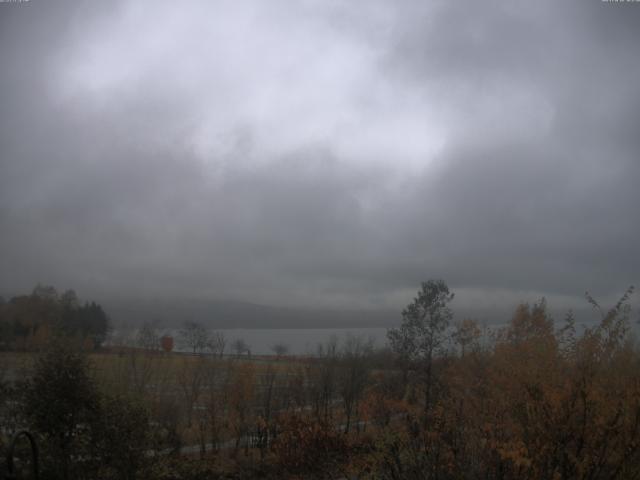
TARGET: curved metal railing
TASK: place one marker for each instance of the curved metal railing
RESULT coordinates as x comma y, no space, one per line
11,475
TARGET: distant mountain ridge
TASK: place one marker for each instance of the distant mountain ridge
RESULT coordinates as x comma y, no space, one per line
236,314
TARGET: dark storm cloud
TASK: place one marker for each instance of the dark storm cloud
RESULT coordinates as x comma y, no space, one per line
322,153
544,196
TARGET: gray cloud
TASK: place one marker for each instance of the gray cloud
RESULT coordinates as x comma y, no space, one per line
320,154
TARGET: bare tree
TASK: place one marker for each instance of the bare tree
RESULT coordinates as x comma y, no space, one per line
268,396
194,336
280,349
216,380
241,393
240,347
322,379
294,391
191,379
354,375
216,343
147,337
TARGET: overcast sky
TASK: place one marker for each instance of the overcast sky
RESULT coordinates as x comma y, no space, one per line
320,153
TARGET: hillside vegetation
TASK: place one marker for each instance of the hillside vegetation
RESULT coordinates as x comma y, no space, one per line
447,400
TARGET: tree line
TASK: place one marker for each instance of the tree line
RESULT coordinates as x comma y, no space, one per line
29,322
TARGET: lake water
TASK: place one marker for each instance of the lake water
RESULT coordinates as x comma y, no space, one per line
300,341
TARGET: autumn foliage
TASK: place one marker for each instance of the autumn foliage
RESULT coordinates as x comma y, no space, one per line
305,445
534,403
450,399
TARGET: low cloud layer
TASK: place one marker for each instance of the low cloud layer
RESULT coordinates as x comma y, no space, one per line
319,153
